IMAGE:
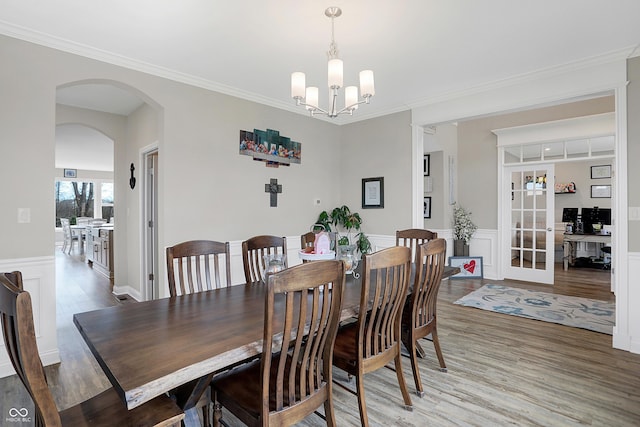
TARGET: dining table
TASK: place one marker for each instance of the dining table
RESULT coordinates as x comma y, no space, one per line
152,347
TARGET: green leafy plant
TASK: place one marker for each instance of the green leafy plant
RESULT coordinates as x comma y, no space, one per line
345,223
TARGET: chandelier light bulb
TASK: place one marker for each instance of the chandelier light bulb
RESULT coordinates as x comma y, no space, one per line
367,88
297,85
335,73
351,97
312,98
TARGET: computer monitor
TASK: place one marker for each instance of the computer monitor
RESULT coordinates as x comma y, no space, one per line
604,215
570,215
595,215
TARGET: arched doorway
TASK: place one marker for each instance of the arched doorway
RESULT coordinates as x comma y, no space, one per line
131,120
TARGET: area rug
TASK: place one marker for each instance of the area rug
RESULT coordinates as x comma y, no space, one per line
577,312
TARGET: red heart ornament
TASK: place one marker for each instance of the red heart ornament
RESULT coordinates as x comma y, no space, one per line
470,266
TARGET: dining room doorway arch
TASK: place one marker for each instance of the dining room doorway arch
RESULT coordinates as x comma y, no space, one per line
131,119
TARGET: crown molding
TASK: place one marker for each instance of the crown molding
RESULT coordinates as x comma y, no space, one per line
87,51
607,58
90,52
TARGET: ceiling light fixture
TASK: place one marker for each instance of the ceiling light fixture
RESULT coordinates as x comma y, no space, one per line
308,96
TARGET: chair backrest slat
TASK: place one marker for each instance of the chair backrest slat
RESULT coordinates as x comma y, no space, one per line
298,350
253,251
429,268
189,266
413,238
385,279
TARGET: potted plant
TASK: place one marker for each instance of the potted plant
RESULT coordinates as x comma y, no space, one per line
463,229
345,223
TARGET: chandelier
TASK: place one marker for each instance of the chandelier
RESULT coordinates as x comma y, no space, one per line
308,96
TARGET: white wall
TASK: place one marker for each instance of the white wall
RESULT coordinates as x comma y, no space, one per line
374,148
580,173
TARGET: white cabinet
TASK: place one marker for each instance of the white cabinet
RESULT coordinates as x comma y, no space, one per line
100,249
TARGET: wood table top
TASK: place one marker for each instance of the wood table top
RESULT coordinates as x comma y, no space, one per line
151,347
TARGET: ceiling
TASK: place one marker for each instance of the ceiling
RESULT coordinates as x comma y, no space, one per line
419,50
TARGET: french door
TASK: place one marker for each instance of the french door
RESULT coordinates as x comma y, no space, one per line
528,203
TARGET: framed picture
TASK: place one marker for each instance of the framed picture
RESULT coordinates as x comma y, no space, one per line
599,172
427,207
600,191
70,173
470,266
372,193
426,161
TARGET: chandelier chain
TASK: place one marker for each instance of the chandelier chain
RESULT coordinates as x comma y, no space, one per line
333,47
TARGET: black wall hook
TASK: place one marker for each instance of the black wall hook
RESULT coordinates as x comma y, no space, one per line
132,180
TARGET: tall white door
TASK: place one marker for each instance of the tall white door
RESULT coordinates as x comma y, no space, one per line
528,202
149,224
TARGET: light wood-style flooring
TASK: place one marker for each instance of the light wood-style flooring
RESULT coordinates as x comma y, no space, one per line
502,370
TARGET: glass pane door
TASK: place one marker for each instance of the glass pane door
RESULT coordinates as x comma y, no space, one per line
529,220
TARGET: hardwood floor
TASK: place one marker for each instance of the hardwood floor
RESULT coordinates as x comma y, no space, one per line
502,370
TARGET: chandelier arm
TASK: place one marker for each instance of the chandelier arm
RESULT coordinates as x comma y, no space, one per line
314,110
349,108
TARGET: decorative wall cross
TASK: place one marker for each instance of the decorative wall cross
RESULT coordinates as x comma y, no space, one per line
274,188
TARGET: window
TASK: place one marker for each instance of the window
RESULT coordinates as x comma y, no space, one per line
107,200
77,199
73,199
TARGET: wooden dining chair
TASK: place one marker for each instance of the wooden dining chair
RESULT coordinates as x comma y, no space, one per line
414,237
293,376
105,409
253,251
419,315
195,266
373,340
192,265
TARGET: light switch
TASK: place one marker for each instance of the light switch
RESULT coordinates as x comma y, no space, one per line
24,215
634,213
428,184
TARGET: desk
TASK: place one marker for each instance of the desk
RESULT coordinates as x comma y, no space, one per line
151,347
569,241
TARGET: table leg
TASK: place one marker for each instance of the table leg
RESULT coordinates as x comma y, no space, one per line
188,395
565,257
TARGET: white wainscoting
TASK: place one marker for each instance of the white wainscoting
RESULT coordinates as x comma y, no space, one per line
483,243
38,275
627,336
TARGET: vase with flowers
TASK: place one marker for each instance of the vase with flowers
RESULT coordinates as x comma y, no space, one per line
463,229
